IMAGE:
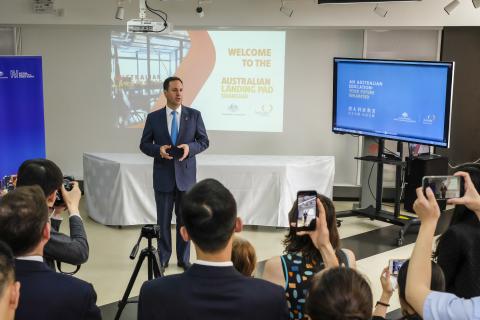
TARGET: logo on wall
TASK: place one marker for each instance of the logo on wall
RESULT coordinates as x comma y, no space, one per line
2,75
16,74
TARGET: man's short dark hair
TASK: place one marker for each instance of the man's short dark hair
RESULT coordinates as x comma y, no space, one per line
23,215
209,213
42,172
7,270
166,82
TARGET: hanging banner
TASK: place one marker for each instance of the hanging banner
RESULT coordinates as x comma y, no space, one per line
22,125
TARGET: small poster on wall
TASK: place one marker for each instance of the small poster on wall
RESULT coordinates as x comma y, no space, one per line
22,125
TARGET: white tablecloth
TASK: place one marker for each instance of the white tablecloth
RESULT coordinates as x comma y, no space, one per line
119,186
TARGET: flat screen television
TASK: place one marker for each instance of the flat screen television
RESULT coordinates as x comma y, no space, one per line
391,99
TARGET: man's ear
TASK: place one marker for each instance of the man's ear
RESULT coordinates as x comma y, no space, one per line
184,234
51,199
238,225
46,232
14,295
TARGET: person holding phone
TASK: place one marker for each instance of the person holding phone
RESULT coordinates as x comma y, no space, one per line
427,303
307,253
380,312
458,248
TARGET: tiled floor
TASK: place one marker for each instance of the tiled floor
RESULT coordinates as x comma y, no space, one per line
109,267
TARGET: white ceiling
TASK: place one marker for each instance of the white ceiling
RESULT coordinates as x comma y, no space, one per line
251,13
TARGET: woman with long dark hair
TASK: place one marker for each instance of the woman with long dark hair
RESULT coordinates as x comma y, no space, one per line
307,253
458,249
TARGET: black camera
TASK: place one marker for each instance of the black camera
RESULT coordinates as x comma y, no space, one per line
68,184
150,231
8,183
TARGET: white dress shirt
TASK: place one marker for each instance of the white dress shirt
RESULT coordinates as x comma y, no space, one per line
170,117
214,264
30,258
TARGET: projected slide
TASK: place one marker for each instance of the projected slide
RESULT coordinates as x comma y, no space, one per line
407,101
235,78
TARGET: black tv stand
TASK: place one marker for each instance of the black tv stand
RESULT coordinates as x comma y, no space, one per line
376,213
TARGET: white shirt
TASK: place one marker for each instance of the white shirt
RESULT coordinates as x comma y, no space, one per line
170,117
30,258
446,306
215,264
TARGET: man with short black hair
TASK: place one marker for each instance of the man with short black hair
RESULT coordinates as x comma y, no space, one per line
71,249
9,288
25,227
212,288
173,136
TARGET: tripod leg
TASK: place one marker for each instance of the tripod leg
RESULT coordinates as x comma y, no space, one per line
155,263
123,302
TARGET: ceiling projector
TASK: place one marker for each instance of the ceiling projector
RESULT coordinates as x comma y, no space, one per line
147,26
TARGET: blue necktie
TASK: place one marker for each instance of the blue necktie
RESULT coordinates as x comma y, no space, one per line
174,129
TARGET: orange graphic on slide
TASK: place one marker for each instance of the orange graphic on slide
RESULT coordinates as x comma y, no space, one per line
195,68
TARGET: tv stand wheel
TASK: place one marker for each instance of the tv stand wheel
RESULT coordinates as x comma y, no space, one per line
399,242
339,223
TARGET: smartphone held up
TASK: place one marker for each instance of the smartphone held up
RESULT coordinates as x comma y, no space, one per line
307,211
444,187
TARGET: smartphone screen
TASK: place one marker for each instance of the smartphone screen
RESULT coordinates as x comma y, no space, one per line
394,266
444,187
306,210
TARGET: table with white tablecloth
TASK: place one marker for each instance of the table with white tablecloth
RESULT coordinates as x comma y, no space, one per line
119,186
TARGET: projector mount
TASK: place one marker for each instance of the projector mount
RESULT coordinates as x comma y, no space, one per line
145,25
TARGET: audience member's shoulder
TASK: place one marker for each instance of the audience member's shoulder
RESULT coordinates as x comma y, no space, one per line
72,282
263,286
158,284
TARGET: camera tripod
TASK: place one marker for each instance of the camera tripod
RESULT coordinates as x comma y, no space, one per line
150,252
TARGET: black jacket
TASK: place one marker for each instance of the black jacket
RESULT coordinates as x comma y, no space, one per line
205,292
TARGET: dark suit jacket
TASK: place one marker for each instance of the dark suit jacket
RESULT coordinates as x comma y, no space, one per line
204,292
47,295
71,249
168,173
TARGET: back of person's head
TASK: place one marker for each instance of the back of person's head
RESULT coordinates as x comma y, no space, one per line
243,256
42,172
437,282
295,243
8,288
209,214
23,216
339,294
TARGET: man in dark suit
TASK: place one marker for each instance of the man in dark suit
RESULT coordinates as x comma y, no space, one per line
45,294
212,288
71,249
173,136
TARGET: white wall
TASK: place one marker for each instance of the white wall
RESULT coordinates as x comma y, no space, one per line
79,113
248,13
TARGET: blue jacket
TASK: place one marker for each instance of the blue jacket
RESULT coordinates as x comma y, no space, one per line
168,173
205,292
47,295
